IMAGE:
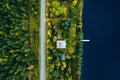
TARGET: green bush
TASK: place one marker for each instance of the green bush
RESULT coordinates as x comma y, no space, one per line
70,29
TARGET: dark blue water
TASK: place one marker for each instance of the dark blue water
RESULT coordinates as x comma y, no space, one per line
101,24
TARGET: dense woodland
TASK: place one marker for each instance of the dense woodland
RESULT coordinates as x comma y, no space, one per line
19,39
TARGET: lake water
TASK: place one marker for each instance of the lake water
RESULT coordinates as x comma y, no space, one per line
101,24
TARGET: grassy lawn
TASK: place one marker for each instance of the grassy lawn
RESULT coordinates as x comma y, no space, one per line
35,38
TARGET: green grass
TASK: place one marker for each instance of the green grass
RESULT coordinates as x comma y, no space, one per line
35,39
